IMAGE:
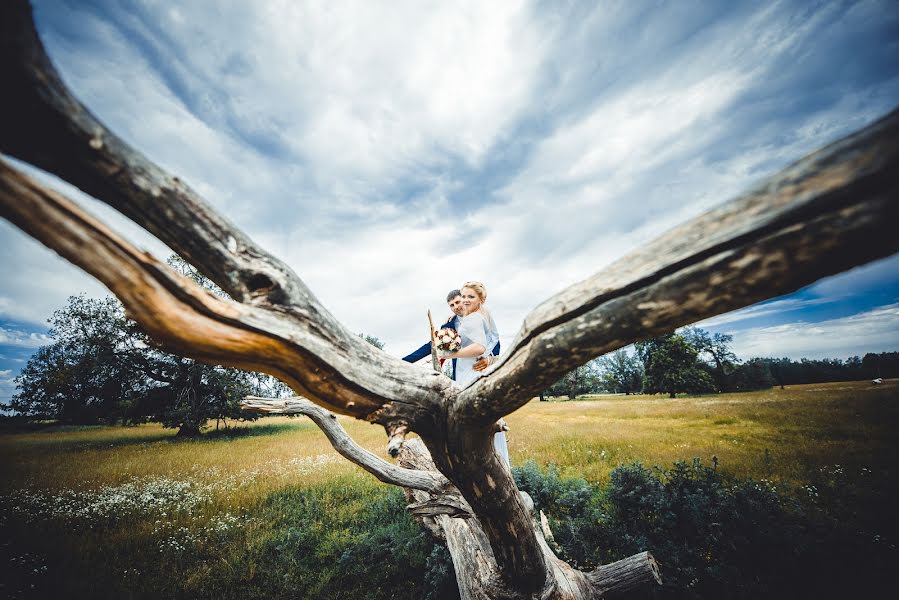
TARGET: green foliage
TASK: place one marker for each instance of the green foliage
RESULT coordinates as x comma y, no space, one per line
671,365
621,372
754,374
785,371
715,352
585,379
340,540
572,505
84,376
716,537
373,340
332,542
102,368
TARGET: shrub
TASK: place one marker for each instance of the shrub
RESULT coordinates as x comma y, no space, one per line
714,536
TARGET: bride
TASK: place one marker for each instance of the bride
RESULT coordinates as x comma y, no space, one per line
479,336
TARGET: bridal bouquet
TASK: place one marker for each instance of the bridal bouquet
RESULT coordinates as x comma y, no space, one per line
447,340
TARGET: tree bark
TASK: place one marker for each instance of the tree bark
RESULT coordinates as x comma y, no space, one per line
477,572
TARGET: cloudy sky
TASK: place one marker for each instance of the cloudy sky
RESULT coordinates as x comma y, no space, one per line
390,151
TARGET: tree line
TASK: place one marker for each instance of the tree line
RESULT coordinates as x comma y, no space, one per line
101,368
695,361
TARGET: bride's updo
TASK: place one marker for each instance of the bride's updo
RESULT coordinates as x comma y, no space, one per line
478,288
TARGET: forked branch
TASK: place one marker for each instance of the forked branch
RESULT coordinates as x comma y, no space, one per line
44,124
187,320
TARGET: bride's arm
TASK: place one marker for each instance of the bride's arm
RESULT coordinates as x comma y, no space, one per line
469,351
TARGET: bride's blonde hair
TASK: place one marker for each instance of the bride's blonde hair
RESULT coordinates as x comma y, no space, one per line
481,291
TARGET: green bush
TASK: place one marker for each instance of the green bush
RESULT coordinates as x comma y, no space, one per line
714,537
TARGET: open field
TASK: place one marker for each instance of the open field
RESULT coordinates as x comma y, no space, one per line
136,512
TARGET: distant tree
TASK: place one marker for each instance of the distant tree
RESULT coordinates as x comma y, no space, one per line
715,351
102,368
754,374
83,376
582,380
779,369
670,365
373,340
621,372
885,364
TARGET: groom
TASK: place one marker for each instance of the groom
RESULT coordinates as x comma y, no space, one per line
454,301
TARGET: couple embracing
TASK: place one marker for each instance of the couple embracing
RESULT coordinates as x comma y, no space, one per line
480,342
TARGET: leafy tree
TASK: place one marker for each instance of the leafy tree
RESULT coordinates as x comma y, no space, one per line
670,365
582,380
715,350
621,372
885,364
754,374
83,376
102,368
373,340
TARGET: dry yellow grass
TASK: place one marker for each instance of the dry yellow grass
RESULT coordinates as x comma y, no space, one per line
777,433
774,433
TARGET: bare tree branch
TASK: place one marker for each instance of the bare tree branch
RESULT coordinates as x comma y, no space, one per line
427,481
826,213
188,320
45,125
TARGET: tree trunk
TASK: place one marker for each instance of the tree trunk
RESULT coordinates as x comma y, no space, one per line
449,518
188,430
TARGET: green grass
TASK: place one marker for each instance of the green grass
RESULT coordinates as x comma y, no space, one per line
270,510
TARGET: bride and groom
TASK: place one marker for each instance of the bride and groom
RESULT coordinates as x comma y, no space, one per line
480,342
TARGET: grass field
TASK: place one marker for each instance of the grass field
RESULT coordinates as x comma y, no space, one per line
137,512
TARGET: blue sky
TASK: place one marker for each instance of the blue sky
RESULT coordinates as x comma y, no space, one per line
390,151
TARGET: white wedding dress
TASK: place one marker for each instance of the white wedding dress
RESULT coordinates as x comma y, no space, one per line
475,329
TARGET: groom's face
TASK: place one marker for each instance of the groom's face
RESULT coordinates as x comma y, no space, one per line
455,305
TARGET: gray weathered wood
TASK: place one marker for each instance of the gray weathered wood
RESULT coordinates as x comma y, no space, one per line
429,481
476,571
826,213
621,578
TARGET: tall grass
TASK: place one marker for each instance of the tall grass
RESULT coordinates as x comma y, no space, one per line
270,510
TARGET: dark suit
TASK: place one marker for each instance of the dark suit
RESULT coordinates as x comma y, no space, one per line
425,349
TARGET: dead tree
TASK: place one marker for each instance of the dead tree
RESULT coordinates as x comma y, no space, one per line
830,211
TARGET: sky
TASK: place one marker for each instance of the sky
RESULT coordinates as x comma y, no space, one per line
389,151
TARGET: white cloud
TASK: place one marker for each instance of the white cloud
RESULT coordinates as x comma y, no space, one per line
763,310
390,152
22,339
876,330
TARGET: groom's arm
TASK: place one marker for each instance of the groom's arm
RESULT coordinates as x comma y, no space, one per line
425,350
419,354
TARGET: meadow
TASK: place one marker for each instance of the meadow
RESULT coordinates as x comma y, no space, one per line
268,509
